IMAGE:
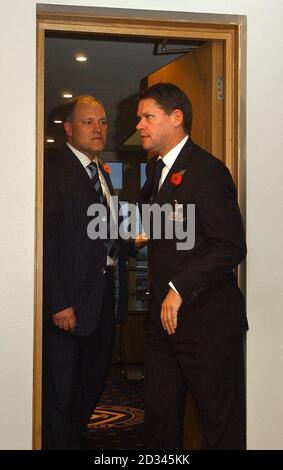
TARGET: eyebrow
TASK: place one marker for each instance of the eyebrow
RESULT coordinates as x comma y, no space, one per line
147,113
94,119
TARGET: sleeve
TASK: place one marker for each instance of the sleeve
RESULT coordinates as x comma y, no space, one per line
54,284
225,247
173,287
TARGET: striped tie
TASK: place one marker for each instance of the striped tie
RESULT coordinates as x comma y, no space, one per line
96,181
112,244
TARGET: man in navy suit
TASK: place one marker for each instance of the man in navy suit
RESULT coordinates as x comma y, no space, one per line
79,293
194,335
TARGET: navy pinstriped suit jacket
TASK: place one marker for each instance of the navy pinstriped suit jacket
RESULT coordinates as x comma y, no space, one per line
74,265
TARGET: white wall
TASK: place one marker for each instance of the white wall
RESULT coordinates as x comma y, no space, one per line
264,207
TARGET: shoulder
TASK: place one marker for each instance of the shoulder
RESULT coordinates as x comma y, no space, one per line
209,171
55,165
207,162
213,173
56,158
201,155
58,162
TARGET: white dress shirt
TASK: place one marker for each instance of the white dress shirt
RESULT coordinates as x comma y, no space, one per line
169,159
85,161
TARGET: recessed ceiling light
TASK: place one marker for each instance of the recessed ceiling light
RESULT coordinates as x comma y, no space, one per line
81,58
58,121
67,95
50,141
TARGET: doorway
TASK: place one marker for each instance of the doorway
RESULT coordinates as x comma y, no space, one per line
134,24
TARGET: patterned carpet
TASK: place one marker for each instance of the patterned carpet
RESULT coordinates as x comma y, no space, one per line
117,422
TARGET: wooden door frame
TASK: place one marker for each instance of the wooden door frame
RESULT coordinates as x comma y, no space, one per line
136,23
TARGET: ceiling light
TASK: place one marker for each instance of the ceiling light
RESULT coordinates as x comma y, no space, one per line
50,141
81,58
67,95
57,121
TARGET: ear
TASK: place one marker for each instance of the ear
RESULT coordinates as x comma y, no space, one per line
68,128
178,117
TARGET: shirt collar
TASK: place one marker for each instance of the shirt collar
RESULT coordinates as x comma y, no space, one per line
170,157
85,161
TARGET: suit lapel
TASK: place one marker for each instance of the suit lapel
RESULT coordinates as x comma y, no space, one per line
107,179
76,165
79,173
148,185
181,163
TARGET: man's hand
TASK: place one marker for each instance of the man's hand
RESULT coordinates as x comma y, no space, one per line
140,241
65,319
169,311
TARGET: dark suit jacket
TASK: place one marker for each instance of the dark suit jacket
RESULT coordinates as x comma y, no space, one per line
213,305
74,265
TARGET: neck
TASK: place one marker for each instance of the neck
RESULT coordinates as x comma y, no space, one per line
172,144
91,156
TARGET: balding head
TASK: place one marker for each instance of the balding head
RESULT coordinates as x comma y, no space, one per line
85,125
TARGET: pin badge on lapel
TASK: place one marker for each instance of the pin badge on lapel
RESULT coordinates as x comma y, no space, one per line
177,214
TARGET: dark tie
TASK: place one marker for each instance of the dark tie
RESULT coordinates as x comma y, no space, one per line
113,244
157,174
96,181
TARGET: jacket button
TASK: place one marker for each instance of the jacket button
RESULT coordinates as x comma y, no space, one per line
103,270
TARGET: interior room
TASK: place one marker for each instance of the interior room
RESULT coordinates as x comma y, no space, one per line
114,69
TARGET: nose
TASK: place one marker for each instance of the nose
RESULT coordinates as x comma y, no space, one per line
97,126
139,125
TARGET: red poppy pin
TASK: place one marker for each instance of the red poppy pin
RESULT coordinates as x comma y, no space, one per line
177,178
106,167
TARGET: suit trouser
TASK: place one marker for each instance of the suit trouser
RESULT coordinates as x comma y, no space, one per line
213,371
75,369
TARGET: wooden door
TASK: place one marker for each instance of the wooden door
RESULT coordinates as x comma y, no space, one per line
200,75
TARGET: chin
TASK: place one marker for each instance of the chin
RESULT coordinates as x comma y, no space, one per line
146,146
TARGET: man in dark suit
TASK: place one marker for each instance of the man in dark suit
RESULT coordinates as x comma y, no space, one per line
79,293
194,335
